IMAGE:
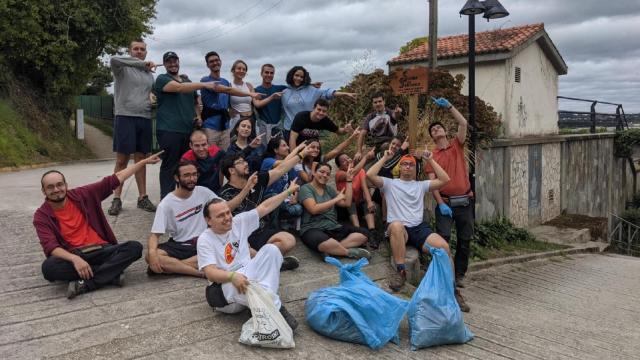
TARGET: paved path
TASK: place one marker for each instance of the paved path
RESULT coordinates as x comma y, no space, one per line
101,145
579,307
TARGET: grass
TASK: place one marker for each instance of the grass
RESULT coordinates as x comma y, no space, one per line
105,126
21,145
517,248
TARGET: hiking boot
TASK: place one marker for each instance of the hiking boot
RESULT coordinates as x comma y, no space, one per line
396,278
76,288
116,207
145,204
293,323
461,303
289,263
460,282
119,281
357,253
374,240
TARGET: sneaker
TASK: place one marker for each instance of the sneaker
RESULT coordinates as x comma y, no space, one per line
460,282
396,278
289,263
76,288
357,253
145,204
461,303
116,207
374,240
119,281
293,323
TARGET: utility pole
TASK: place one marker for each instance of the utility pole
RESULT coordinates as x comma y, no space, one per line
433,34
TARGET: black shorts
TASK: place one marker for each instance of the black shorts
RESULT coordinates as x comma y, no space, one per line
179,250
260,237
132,134
417,235
314,237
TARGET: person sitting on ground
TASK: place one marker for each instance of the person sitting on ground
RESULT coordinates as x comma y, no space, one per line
361,204
320,229
247,143
405,210
381,125
75,234
277,151
313,155
236,170
207,159
224,256
309,124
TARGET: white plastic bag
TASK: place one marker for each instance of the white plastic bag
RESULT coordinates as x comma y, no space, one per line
267,327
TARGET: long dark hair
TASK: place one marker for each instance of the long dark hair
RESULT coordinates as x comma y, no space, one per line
234,132
305,82
272,146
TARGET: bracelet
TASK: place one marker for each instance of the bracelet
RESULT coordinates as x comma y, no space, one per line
231,276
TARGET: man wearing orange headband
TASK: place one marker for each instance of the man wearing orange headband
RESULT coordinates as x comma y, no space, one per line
405,209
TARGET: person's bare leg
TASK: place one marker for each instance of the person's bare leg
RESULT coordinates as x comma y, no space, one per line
284,241
398,238
354,220
353,240
141,175
185,267
333,247
121,162
437,241
370,220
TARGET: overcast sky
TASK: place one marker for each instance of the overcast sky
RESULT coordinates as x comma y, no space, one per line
333,39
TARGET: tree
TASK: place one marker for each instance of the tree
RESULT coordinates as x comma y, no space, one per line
100,81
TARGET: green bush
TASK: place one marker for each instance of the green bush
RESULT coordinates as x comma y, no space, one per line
631,215
624,142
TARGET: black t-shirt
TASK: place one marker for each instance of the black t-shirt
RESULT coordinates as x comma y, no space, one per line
307,129
252,200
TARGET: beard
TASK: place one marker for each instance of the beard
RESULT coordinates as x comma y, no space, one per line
58,199
189,186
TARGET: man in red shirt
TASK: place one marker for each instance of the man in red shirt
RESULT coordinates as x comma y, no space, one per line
455,200
75,234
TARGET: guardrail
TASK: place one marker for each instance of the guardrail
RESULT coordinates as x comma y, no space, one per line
592,118
624,236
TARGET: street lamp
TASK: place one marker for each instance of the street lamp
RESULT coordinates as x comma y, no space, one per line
492,9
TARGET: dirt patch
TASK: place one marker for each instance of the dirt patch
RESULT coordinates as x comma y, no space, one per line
597,225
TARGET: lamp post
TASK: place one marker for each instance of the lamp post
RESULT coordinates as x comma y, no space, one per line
492,9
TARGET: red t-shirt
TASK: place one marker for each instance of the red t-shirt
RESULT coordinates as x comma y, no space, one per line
74,227
341,183
452,161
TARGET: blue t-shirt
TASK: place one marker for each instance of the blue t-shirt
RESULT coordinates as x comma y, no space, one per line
215,100
272,112
279,185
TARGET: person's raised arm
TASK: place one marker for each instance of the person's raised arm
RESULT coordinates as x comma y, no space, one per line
125,173
238,199
286,165
361,135
314,208
372,173
273,202
442,178
461,134
348,195
264,102
340,148
293,138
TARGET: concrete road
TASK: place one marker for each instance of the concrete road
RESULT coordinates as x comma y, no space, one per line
579,307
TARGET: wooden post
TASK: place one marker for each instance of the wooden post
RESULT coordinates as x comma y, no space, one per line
413,120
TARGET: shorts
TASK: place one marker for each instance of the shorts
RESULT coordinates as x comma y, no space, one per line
260,237
132,134
179,250
417,235
314,237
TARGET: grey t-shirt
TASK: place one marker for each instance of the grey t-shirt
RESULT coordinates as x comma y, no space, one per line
328,220
132,87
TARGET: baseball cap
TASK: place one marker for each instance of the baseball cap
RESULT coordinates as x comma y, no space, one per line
168,55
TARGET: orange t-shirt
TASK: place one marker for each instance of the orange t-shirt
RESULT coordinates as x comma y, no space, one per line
74,227
356,185
452,161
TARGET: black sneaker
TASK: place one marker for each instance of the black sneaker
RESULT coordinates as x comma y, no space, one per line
76,288
119,281
116,207
293,323
374,240
145,204
289,263
461,303
460,282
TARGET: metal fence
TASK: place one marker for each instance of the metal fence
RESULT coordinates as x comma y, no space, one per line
624,236
98,107
592,118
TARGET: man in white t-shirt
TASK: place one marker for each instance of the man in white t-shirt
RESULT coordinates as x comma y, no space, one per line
224,257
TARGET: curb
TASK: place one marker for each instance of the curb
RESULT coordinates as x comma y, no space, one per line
8,169
530,257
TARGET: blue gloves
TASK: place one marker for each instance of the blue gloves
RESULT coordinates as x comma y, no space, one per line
441,102
445,210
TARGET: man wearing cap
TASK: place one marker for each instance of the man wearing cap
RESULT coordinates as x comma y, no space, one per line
132,127
405,209
177,109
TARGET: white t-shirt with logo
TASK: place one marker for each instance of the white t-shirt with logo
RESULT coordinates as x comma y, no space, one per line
405,200
230,251
182,219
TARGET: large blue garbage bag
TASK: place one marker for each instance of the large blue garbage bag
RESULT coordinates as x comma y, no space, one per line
357,310
434,315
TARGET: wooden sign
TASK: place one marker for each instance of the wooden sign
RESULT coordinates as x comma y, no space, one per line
410,81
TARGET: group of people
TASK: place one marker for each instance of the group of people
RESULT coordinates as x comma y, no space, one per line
242,175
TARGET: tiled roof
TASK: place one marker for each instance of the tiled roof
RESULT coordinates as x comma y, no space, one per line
487,42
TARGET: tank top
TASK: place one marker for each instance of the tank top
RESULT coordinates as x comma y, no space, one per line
241,104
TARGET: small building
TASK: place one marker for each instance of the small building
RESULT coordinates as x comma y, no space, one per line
517,72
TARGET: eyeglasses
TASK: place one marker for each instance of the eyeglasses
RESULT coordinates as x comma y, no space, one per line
241,161
407,165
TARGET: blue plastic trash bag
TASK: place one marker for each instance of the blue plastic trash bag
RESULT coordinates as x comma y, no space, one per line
357,310
434,315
